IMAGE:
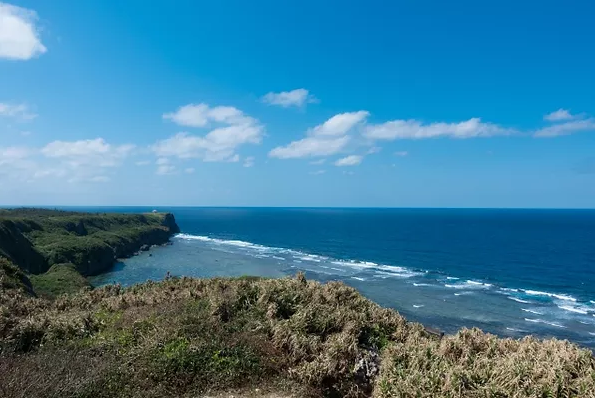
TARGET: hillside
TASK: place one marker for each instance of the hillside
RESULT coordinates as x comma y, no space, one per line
253,337
41,240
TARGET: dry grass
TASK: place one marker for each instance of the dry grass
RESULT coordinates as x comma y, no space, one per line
474,364
191,337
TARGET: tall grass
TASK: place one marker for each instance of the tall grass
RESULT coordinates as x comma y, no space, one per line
188,337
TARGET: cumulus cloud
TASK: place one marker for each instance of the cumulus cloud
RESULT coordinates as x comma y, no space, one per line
286,99
559,115
249,161
565,128
310,146
189,170
325,139
351,160
413,129
96,152
85,160
340,124
374,149
19,37
16,111
142,163
401,153
15,162
217,145
319,161
202,115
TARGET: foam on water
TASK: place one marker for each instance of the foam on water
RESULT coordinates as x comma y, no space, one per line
469,285
532,311
555,295
417,305
574,309
518,300
558,325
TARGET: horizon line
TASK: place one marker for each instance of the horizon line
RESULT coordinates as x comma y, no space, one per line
2,206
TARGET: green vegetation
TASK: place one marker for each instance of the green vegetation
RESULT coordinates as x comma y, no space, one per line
42,240
189,337
59,279
12,278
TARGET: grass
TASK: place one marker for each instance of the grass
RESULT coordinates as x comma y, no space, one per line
189,337
59,279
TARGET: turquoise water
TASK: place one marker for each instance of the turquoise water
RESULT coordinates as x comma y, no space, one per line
510,272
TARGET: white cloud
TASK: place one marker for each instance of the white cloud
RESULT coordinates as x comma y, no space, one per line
323,140
340,124
16,111
249,161
286,99
95,152
558,115
316,173
142,163
19,37
83,160
413,129
351,160
217,145
161,161
319,161
189,170
15,162
202,115
25,133
566,128
401,153
310,146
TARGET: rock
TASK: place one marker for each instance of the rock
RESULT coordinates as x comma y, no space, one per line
144,248
367,366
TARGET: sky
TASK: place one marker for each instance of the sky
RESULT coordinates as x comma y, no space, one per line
269,103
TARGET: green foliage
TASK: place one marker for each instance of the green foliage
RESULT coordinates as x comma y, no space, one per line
59,279
12,278
37,239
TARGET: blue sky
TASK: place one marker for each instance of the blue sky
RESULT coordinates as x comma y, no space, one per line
235,103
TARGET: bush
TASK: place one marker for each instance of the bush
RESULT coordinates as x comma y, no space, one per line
190,337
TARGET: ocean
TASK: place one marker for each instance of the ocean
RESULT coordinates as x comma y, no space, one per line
509,272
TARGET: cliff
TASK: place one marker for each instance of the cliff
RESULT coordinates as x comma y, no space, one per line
37,239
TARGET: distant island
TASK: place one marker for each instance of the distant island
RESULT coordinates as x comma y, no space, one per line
246,336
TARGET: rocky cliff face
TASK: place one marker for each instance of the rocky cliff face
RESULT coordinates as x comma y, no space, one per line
91,242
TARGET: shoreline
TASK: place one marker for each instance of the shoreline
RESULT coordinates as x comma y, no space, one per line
216,263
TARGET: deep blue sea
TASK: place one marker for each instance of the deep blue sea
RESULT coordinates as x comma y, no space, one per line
509,272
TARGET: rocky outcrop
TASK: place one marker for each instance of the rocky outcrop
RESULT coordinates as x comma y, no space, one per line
17,248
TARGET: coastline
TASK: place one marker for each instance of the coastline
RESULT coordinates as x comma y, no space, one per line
296,336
